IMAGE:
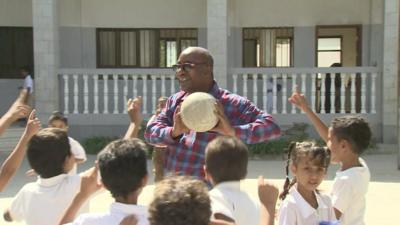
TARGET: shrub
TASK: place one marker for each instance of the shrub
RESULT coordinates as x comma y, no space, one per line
93,145
297,132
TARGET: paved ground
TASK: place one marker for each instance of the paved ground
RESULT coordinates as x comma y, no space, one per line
382,199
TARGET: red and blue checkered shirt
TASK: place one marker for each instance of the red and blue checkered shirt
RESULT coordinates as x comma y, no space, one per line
186,154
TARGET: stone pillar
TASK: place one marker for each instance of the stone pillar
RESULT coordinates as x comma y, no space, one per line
390,70
217,38
46,56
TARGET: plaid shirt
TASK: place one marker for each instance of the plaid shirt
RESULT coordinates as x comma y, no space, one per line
186,154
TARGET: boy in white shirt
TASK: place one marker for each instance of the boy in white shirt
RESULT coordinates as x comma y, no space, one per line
226,161
123,171
347,138
44,201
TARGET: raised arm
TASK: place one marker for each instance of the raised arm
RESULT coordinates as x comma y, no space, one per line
13,161
268,195
17,110
167,127
89,185
300,101
135,116
256,125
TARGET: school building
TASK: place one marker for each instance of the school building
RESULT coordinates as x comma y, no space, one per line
89,56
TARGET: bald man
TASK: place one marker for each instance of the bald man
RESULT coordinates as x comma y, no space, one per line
237,117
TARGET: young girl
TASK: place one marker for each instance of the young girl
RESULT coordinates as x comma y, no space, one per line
58,120
302,203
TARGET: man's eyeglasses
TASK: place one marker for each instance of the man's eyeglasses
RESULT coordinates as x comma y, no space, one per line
186,67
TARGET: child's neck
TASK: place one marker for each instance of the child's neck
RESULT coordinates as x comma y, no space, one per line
350,162
131,199
309,196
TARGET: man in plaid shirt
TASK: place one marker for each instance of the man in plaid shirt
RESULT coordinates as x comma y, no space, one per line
237,117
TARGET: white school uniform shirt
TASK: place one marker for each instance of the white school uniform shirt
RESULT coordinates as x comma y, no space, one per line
227,198
79,153
43,202
117,213
28,83
295,210
348,193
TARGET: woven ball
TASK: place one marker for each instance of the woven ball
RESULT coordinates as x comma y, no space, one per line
197,112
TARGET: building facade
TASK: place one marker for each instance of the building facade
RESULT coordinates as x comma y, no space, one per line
89,56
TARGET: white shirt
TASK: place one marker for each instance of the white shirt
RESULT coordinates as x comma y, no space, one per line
296,210
78,151
117,213
228,199
43,202
28,83
348,193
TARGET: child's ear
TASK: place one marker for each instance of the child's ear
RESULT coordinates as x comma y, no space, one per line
207,175
144,181
293,169
69,163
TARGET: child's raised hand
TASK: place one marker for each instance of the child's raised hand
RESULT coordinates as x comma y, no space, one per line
89,183
129,220
298,99
267,192
33,125
135,110
19,109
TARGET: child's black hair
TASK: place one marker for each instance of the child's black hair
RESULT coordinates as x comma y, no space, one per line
56,115
123,165
48,151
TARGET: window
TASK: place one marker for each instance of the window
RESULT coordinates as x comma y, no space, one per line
119,48
267,47
16,50
329,51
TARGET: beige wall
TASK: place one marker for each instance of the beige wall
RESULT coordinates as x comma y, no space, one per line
128,13
16,13
349,43
193,13
305,12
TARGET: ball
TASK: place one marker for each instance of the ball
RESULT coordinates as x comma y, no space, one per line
197,112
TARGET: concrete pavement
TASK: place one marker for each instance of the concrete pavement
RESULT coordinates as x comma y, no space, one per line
382,199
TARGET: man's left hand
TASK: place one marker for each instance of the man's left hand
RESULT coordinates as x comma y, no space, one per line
223,126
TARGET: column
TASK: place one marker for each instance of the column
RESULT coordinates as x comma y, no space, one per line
46,56
217,38
390,71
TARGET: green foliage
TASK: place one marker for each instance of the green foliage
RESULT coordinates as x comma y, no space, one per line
297,132
93,145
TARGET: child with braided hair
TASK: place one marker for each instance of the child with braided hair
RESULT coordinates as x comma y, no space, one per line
302,203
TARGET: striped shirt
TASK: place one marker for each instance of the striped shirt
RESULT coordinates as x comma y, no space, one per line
186,153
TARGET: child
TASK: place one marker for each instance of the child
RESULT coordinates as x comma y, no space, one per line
13,161
158,151
225,165
58,120
123,171
180,201
43,202
347,139
183,200
28,81
303,204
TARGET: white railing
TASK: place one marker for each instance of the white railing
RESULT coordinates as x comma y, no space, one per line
328,90
86,92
